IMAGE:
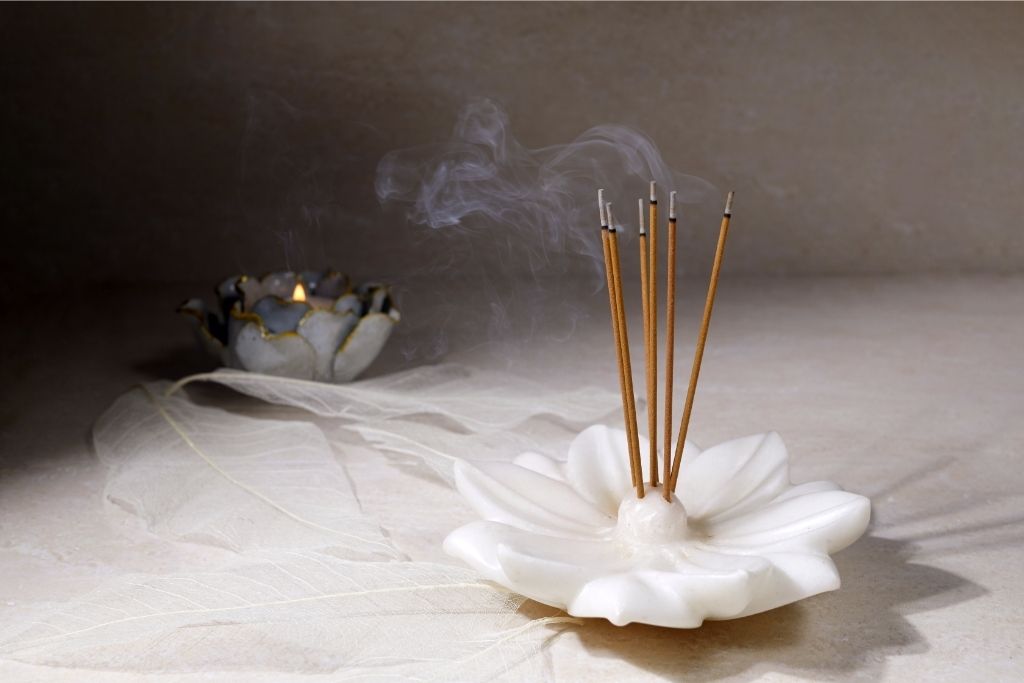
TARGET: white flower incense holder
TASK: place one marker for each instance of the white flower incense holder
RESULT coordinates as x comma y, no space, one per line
717,534
310,325
737,538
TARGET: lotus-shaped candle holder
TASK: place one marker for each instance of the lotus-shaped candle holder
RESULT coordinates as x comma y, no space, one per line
738,538
310,325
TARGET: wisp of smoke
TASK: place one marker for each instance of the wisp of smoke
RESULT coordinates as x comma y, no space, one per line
483,178
520,216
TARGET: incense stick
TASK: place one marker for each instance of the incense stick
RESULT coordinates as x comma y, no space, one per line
645,296
698,355
670,331
613,308
652,334
613,244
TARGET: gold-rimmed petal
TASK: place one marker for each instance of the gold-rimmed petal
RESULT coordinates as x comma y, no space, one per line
286,354
196,310
362,346
325,331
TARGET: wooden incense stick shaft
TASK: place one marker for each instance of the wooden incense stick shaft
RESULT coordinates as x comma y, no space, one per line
613,244
649,377
605,244
645,304
670,341
698,354
652,337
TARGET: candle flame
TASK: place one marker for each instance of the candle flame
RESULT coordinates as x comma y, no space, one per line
299,293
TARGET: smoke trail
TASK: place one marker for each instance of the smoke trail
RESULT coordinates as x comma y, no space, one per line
517,218
483,178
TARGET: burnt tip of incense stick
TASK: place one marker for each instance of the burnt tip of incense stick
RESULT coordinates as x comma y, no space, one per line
600,207
654,192
643,224
672,205
608,216
728,204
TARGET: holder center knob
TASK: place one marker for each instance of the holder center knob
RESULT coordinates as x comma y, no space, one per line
652,519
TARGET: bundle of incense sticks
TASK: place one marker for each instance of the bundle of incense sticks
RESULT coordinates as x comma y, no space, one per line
649,306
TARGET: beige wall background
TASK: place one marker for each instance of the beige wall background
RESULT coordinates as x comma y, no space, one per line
184,142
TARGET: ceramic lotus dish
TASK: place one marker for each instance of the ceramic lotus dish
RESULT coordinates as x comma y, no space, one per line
308,325
738,538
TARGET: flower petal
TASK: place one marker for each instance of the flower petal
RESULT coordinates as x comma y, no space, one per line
253,290
514,495
362,346
250,291
791,576
794,576
325,331
332,285
541,464
228,297
598,465
280,284
279,315
476,544
554,570
805,488
378,300
665,598
733,477
546,568
286,355
823,521
209,328
349,303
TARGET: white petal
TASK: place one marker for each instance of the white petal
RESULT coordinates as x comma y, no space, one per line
546,568
514,495
476,544
825,521
598,465
733,477
791,576
541,464
553,570
703,558
664,598
805,488
794,576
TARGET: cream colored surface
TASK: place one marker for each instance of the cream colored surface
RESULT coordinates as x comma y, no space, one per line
906,390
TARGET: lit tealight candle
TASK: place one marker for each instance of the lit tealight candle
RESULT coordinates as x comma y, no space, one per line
299,294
